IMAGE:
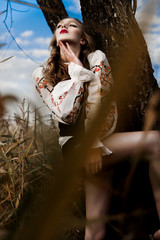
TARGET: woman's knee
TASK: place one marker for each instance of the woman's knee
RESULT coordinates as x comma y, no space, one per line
152,143
97,233
100,235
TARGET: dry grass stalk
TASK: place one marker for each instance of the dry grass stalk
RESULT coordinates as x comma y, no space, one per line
22,164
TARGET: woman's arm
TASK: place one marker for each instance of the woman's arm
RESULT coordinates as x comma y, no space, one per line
98,88
65,98
100,85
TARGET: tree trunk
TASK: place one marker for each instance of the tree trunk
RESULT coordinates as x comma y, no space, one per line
53,11
117,31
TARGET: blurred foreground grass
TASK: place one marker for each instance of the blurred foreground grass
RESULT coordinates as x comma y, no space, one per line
24,147
30,158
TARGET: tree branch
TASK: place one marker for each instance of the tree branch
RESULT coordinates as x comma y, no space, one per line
55,14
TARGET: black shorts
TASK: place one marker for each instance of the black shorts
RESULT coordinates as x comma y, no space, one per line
70,147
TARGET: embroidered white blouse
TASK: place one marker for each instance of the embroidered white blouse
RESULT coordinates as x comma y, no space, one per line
65,99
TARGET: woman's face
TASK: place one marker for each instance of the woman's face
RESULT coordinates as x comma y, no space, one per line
68,30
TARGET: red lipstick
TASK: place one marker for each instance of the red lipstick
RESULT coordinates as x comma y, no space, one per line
63,31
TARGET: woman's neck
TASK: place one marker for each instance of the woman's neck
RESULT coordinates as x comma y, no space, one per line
75,48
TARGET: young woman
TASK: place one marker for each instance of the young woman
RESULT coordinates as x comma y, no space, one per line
73,84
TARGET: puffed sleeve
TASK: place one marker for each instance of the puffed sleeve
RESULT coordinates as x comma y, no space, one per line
98,88
65,98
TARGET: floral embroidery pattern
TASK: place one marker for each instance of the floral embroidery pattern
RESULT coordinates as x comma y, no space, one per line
73,115
105,77
42,83
38,91
106,80
109,120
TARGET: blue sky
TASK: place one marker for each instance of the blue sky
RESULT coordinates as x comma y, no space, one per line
29,28
31,32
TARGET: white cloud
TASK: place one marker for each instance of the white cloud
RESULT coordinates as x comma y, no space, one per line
140,4
23,42
153,39
3,37
156,27
16,79
39,53
27,33
36,54
157,19
147,15
75,6
16,75
42,41
148,19
153,43
8,85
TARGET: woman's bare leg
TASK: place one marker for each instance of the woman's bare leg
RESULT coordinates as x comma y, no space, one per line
130,144
122,145
98,193
154,172
133,143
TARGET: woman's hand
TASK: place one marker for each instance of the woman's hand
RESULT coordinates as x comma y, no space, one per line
68,53
93,161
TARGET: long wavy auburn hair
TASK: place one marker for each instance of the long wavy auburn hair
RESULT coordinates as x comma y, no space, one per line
55,69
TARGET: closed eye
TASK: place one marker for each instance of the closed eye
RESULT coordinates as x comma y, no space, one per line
73,25
59,26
